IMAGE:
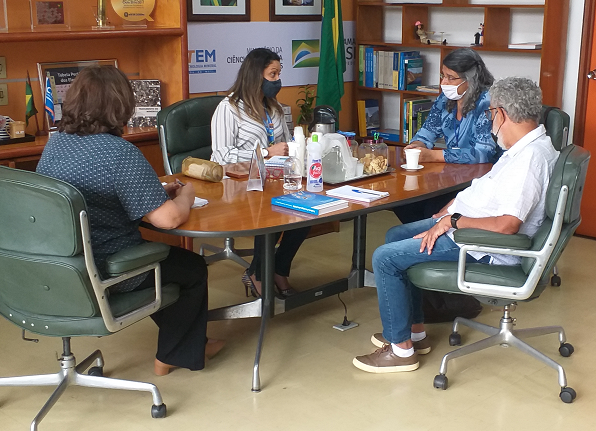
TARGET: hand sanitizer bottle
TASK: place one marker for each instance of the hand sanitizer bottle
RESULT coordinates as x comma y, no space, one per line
314,181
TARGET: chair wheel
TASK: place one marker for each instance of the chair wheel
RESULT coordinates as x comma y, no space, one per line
158,411
441,381
566,350
454,339
95,371
555,280
567,395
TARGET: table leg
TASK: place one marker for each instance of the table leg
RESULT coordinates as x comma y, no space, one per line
356,278
267,283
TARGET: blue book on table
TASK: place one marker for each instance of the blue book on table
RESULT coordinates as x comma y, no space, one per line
310,203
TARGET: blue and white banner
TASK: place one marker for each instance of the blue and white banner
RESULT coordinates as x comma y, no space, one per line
216,51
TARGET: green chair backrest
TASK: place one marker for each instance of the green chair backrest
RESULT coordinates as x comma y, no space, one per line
556,123
570,170
42,267
187,129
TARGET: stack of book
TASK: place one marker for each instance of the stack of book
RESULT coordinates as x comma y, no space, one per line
394,70
310,203
415,113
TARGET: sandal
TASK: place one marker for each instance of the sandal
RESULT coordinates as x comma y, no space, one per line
249,285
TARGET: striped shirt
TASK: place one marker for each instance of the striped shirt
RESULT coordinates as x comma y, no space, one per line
233,133
516,186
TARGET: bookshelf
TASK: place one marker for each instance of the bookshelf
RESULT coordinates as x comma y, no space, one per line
158,51
390,26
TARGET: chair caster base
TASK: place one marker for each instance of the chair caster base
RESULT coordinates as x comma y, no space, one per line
566,350
555,280
159,411
441,382
95,371
454,339
567,395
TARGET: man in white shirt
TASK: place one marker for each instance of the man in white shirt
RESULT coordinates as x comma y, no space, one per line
508,199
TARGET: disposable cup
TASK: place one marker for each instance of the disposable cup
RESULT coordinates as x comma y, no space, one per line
359,169
412,156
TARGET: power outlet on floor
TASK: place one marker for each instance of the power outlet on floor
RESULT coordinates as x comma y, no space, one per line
3,94
2,67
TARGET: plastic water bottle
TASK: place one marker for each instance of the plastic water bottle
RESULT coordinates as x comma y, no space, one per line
300,147
314,181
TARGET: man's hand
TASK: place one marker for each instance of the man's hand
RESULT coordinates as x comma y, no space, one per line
415,144
430,236
279,149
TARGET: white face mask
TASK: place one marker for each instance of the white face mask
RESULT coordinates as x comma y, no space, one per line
450,91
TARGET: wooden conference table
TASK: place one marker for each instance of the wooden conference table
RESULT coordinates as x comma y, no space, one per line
232,211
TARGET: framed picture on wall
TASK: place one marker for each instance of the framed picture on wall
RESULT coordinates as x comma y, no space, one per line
218,10
61,76
295,10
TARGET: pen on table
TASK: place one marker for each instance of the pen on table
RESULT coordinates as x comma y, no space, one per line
371,192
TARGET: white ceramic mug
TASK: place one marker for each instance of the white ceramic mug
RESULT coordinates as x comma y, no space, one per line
412,156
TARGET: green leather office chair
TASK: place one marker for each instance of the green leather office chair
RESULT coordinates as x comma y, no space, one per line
556,123
49,283
499,285
185,131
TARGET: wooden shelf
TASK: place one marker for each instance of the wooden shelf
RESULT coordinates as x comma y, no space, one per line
477,6
87,33
448,46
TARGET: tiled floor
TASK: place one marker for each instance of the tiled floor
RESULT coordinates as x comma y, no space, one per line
307,376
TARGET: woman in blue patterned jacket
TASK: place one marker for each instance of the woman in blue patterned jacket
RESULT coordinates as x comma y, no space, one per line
458,117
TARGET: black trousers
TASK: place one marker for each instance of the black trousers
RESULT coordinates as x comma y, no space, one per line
288,247
183,324
423,209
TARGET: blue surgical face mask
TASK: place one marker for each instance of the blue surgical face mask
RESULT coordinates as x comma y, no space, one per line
271,88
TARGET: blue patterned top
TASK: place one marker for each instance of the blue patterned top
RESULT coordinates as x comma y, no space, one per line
118,184
469,140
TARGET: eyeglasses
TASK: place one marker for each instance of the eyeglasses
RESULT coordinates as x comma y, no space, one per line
449,78
489,113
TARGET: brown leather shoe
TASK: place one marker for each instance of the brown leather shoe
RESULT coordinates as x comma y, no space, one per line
383,360
421,347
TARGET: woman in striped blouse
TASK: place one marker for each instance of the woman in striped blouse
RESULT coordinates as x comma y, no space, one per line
252,114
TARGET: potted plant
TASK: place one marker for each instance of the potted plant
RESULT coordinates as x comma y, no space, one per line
306,103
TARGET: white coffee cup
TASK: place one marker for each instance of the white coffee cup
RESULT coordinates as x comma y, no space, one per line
412,156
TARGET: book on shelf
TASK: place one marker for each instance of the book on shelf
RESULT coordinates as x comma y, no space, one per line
525,45
368,115
361,65
411,108
421,117
387,134
369,54
310,203
147,94
429,88
357,193
413,72
402,57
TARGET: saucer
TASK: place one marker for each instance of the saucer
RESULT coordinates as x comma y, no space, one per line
415,169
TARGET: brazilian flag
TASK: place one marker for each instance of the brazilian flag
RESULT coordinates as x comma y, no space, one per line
30,110
332,63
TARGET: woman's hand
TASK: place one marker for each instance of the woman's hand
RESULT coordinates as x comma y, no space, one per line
430,236
415,144
171,189
279,149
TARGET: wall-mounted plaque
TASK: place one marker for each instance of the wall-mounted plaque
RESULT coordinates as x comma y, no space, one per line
3,18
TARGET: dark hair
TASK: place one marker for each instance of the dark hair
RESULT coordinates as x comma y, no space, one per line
100,100
469,66
249,81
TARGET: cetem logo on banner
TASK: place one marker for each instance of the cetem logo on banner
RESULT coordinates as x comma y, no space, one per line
202,61
305,53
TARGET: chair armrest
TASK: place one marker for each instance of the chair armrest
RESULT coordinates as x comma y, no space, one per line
136,257
487,238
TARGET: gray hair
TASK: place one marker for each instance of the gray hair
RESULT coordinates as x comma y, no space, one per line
520,97
469,66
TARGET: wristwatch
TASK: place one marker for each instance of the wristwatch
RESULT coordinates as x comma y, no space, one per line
454,218
265,152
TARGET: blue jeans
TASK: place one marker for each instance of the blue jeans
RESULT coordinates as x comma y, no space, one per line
400,302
